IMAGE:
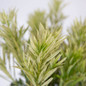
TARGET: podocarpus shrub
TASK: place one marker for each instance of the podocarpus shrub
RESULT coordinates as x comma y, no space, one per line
44,59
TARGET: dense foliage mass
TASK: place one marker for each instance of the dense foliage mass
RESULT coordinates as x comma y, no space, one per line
45,59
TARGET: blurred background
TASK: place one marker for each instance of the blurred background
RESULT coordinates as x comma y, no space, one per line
74,9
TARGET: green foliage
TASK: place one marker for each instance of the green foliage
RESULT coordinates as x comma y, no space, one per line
35,19
13,37
53,18
12,40
4,69
18,83
42,58
73,71
56,15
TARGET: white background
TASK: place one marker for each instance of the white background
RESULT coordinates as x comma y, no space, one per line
75,8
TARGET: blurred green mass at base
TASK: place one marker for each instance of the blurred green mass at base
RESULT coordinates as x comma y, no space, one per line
45,59
18,83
